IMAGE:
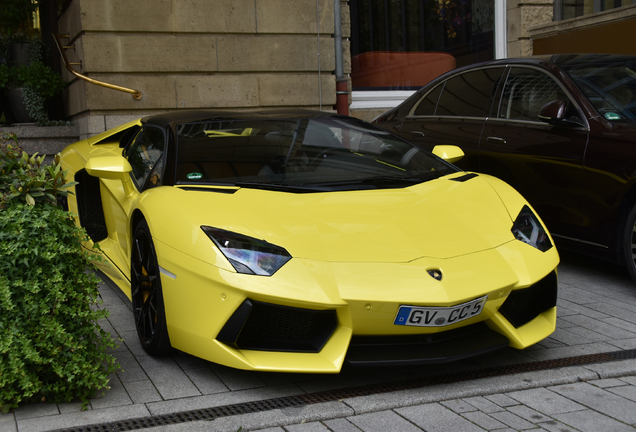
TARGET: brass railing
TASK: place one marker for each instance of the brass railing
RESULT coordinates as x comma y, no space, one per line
136,94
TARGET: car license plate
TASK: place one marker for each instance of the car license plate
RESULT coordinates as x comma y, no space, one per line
439,316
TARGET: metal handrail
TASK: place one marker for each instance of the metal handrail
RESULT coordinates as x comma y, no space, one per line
136,94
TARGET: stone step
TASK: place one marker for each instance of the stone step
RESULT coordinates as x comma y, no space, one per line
44,140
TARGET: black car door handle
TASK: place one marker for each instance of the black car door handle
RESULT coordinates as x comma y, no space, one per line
496,140
417,133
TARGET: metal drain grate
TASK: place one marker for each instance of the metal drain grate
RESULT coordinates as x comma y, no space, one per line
188,416
332,395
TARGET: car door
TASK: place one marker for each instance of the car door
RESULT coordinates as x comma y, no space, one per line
543,162
610,160
453,113
145,155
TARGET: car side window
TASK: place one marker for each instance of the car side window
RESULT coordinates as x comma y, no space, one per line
467,95
526,91
428,104
145,157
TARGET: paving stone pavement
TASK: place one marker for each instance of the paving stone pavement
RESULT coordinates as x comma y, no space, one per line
596,315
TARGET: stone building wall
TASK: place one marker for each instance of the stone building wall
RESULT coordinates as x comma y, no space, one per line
522,16
612,32
181,54
532,31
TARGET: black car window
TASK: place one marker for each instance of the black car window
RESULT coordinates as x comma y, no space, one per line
144,155
467,95
610,85
527,90
428,104
314,154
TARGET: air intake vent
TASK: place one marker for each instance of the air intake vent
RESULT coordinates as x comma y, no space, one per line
270,327
523,305
89,206
464,177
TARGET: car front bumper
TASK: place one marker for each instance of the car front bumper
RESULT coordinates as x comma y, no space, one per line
203,306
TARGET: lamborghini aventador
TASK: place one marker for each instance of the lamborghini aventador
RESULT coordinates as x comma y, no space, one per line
299,240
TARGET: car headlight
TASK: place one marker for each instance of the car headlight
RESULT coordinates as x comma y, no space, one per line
528,229
247,254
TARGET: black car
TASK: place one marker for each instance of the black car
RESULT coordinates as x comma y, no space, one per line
560,129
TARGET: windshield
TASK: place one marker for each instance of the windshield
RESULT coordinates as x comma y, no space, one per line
609,84
326,153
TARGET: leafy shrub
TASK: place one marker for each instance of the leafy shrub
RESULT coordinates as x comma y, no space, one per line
24,177
51,345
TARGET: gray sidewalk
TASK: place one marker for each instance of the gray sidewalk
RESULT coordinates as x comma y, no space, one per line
597,305
595,405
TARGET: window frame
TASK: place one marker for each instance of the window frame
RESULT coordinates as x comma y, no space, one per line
597,6
159,162
494,96
497,103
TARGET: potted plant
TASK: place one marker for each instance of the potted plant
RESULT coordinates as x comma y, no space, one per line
28,87
28,82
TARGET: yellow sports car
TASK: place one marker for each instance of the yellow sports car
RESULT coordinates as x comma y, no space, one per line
299,240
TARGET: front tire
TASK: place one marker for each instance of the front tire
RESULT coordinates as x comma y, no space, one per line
147,296
629,243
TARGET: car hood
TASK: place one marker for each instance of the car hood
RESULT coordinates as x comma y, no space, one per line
442,218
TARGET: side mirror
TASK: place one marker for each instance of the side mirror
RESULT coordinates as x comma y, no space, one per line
111,168
554,113
449,153
108,167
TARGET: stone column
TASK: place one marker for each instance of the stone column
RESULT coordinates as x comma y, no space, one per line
522,15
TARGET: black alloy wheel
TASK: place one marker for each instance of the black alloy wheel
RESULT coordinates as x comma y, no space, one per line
147,297
629,243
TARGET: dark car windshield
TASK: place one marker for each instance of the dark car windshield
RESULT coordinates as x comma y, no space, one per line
609,82
317,154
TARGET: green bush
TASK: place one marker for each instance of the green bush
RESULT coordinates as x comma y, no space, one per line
51,345
26,178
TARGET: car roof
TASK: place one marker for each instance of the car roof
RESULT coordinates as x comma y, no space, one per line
570,61
188,116
564,61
